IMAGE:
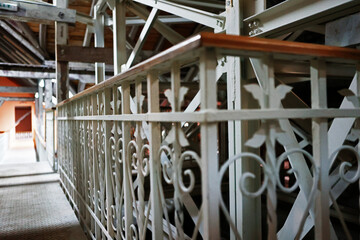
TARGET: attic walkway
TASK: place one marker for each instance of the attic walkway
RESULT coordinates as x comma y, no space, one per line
32,204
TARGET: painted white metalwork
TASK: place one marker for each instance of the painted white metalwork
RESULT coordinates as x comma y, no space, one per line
130,167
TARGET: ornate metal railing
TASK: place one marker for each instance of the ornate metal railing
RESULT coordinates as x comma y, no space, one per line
133,167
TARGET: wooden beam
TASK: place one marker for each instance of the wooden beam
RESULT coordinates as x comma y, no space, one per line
22,99
21,39
39,12
84,54
18,90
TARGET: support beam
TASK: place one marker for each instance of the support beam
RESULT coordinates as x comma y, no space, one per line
21,99
168,33
205,18
119,36
297,14
142,38
39,12
136,21
84,54
62,68
343,32
18,89
21,39
86,78
43,36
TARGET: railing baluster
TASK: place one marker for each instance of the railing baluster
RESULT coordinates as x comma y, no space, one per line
209,131
94,105
154,141
320,149
108,161
126,128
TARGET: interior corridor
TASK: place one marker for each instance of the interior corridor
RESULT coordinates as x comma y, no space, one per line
33,205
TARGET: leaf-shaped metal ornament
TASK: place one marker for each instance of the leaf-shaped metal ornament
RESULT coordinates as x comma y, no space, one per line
142,97
170,138
257,139
256,92
169,95
183,91
280,93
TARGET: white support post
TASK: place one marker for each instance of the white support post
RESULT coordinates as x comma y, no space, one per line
155,164
209,147
100,43
320,149
48,94
241,207
119,35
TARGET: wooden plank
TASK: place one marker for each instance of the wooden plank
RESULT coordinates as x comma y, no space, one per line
84,54
18,89
23,99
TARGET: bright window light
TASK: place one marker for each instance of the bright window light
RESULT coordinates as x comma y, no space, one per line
54,100
70,94
41,83
36,95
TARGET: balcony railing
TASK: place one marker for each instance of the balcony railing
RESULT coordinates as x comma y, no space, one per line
138,161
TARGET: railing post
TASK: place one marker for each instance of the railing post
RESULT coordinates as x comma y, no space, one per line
94,104
209,148
320,149
155,141
108,162
125,101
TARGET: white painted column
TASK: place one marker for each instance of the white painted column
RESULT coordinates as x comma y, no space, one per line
209,156
241,207
320,149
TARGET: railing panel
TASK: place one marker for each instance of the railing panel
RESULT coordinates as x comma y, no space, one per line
138,165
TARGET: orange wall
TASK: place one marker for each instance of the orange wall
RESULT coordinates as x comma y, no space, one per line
7,110
7,116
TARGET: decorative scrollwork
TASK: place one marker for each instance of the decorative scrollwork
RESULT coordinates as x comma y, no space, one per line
347,165
187,172
166,166
144,161
269,172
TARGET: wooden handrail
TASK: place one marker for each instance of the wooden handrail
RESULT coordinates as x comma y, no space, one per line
228,45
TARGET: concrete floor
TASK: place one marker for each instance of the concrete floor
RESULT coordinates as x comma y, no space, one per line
32,204
21,151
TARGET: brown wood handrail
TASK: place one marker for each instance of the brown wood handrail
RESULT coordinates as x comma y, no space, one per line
229,45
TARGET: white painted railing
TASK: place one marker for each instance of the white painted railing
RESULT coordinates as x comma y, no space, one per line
50,133
4,144
133,170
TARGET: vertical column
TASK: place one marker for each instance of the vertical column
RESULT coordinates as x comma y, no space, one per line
209,137
155,167
241,207
40,111
48,94
62,68
126,129
94,104
108,162
320,149
119,35
99,42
